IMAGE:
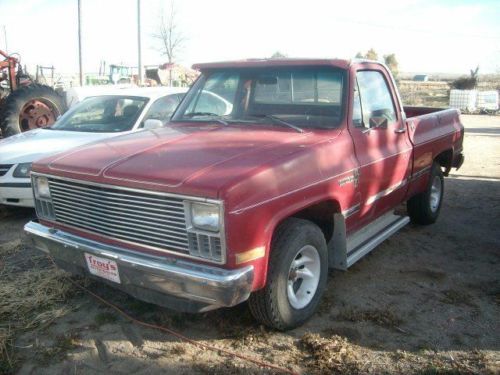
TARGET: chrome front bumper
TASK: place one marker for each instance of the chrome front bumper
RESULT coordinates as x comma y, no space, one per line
169,282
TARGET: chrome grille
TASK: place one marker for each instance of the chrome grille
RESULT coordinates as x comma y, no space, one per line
44,209
139,217
205,246
4,168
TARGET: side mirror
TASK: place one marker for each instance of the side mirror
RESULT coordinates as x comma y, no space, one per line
153,124
378,122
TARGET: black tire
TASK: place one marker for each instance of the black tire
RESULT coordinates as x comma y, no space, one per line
10,123
271,305
420,207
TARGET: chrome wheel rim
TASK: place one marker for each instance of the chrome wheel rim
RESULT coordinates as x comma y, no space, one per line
303,277
435,198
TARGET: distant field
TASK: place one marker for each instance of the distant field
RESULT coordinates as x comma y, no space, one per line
436,93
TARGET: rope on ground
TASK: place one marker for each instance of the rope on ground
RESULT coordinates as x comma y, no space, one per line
180,336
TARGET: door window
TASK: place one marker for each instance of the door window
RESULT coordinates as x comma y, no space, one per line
357,115
376,99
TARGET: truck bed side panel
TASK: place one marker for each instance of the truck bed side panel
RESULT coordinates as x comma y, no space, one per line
432,134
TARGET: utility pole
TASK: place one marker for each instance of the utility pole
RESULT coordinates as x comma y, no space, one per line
5,38
139,52
80,41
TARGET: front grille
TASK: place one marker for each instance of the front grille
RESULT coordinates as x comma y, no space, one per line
4,168
139,217
205,246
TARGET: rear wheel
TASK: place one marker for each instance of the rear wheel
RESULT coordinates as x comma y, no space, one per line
424,208
30,107
297,276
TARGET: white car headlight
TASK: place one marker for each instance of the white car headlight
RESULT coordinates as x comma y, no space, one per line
205,216
22,170
42,189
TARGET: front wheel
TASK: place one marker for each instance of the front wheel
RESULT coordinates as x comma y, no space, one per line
297,276
424,208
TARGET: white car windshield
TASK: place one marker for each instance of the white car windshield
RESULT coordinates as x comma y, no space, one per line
102,114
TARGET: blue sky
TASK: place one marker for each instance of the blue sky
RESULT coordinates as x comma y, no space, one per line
427,36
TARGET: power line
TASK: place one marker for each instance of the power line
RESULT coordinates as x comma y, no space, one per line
422,31
139,51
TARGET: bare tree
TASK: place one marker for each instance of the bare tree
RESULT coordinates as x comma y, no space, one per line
172,40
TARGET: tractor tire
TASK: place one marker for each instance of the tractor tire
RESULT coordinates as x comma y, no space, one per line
30,107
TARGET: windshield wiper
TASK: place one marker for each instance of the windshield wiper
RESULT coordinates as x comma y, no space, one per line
214,116
280,121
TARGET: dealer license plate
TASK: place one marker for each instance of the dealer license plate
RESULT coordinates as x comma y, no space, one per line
103,267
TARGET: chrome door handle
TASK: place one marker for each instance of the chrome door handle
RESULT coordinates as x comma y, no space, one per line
400,130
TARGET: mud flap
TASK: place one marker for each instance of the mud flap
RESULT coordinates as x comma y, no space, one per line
337,247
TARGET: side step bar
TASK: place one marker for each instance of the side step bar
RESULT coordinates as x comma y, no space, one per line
348,250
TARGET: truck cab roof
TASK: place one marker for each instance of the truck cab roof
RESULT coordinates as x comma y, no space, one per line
261,63
284,62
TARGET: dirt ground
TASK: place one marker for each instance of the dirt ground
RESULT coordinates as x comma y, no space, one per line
426,302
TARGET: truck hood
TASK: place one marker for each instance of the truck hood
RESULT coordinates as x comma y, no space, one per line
186,159
35,144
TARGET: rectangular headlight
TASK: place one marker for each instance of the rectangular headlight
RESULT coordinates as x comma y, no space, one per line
41,187
22,170
205,216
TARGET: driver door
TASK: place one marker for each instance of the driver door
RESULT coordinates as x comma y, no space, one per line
383,151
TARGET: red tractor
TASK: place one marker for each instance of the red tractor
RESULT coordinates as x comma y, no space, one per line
25,104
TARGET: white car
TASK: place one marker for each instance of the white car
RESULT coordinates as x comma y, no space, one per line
93,119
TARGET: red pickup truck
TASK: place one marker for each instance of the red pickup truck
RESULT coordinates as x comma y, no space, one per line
269,173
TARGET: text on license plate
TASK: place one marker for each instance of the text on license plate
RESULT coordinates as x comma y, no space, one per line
103,267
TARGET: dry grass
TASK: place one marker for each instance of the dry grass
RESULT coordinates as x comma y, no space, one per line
9,249
32,294
444,363
178,349
6,362
26,296
428,94
334,355
228,367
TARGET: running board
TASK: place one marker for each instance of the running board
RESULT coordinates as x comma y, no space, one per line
360,243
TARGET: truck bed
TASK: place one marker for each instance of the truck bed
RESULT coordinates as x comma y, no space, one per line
420,111
434,132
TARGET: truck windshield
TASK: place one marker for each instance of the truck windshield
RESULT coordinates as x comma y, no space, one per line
300,97
102,114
